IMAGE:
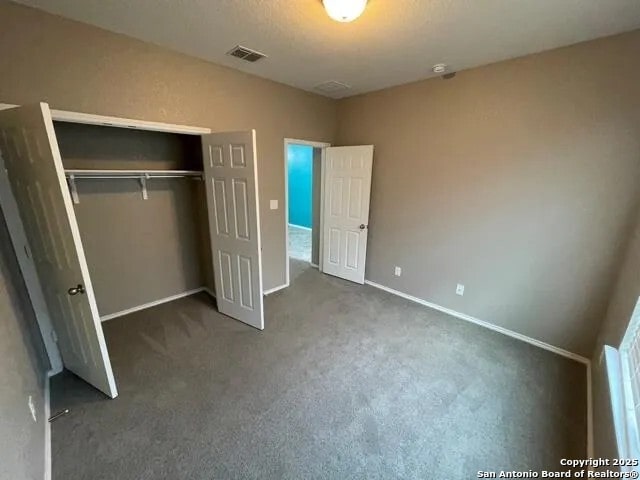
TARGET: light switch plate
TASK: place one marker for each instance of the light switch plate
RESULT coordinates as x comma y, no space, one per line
273,204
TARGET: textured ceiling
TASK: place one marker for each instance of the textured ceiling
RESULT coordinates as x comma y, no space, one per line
394,42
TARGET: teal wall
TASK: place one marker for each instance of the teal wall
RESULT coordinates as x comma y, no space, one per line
300,166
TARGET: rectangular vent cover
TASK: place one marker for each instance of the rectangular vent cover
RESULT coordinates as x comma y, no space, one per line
332,87
245,54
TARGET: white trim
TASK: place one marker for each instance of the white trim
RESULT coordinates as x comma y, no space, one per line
589,411
314,265
322,146
323,176
144,306
120,122
258,223
308,143
300,227
275,289
482,323
47,424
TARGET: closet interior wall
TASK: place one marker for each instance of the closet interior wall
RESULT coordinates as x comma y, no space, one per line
139,251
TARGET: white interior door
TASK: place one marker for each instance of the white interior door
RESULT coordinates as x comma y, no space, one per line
231,176
347,190
34,168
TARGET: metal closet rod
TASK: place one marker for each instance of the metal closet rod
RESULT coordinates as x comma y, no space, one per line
141,175
131,173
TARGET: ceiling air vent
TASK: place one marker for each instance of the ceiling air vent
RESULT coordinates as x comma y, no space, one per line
332,87
245,54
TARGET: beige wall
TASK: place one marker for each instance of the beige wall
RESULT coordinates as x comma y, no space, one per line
623,300
517,179
139,251
77,67
22,373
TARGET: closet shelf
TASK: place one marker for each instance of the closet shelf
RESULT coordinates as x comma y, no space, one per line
141,175
95,173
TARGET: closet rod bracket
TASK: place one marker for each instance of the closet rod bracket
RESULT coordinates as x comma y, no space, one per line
73,189
143,185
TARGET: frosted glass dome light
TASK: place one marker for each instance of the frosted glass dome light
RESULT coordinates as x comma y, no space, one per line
344,10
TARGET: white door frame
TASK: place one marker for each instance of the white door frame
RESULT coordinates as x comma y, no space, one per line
322,146
119,122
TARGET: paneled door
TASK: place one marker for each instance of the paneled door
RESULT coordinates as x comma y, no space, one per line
231,174
347,188
36,175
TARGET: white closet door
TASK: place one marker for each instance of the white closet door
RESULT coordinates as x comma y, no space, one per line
34,167
347,192
231,176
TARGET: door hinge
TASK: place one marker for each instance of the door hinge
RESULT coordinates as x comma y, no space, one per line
54,336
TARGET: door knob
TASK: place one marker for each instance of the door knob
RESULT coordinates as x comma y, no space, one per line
76,290
362,226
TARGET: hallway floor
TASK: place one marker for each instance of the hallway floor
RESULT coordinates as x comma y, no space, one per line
345,382
299,243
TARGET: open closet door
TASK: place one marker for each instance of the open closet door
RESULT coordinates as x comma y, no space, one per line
231,176
34,168
347,191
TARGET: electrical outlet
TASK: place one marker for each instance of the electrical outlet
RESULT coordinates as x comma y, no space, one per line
273,204
460,289
398,271
32,408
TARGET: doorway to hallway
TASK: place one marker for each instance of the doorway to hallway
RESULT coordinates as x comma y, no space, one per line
303,184
300,208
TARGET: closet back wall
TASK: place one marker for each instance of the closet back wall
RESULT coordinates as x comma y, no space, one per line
77,67
138,251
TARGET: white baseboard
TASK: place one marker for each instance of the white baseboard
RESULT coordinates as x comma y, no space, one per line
275,289
111,316
590,452
300,227
47,425
482,323
314,265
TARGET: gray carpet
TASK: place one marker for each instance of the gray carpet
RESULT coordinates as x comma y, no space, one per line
346,382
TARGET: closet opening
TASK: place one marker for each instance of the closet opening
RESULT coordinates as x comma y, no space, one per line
141,209
116,215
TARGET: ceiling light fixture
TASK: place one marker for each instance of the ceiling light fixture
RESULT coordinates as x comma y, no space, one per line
344,10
